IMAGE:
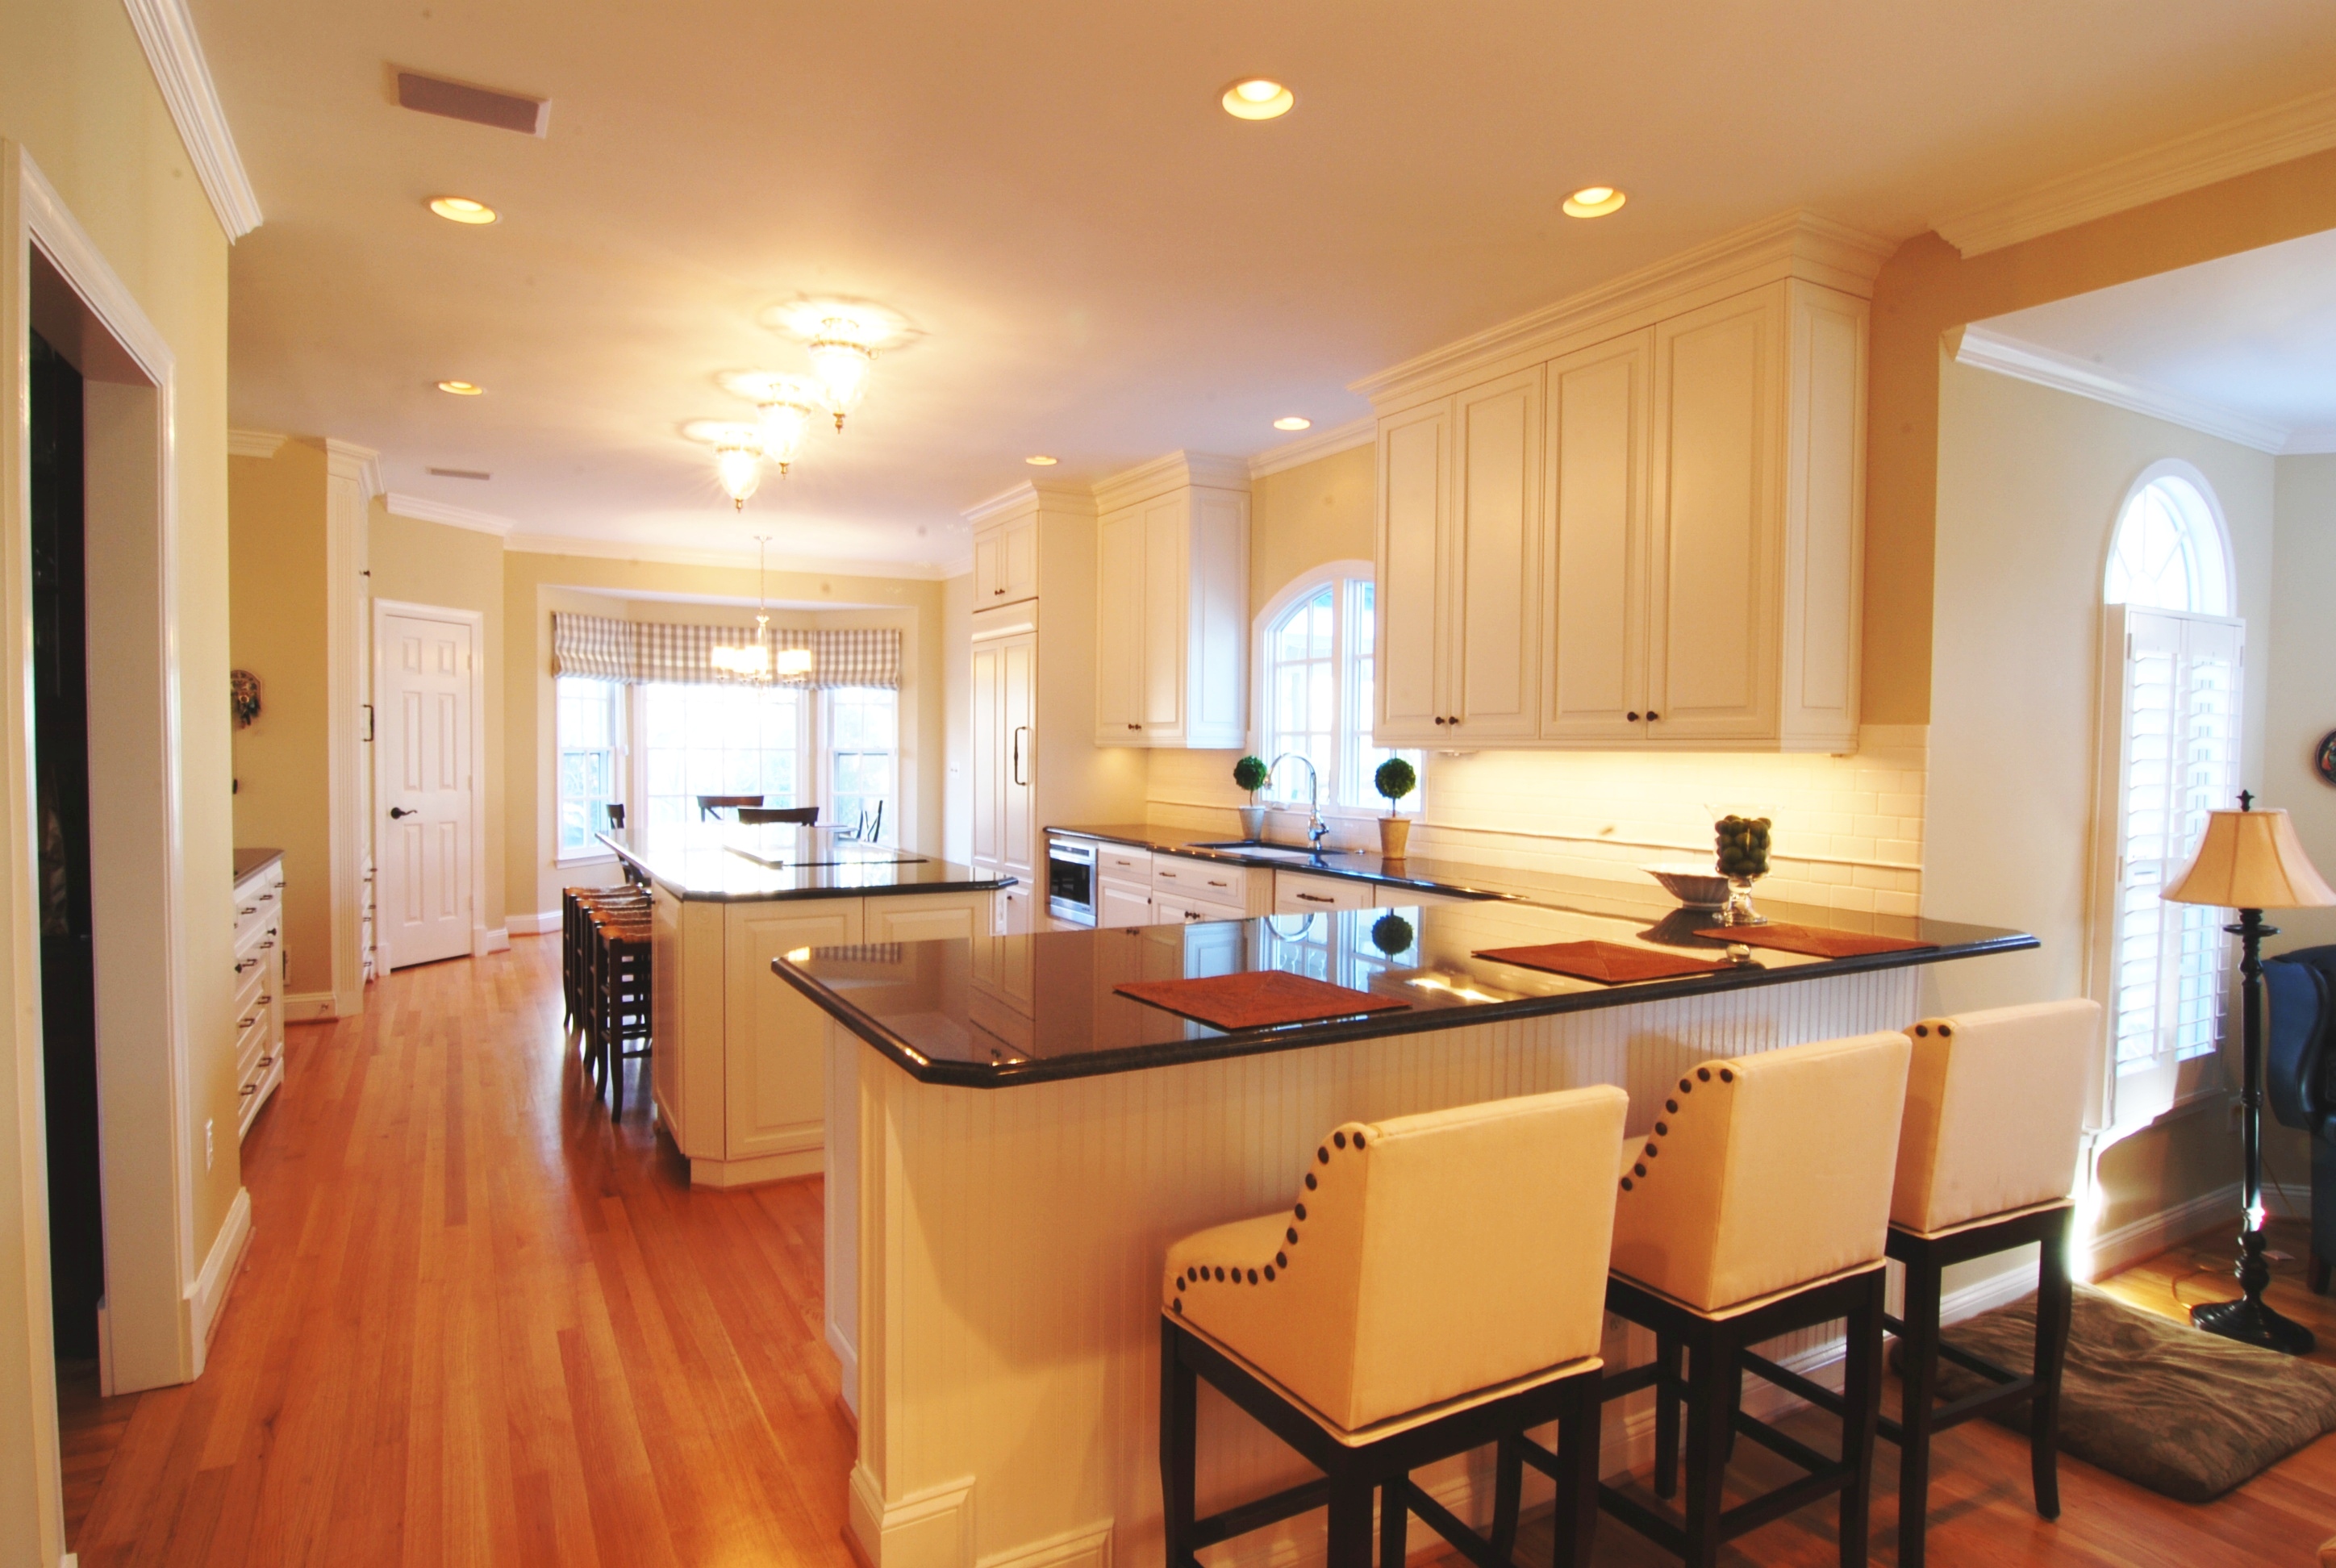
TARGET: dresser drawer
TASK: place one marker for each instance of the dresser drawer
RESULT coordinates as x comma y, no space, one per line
1209,882
258,902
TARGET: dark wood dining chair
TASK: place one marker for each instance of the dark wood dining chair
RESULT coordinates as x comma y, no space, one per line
710,806
756,816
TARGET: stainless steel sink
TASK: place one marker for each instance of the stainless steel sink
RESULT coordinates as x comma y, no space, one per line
1271,851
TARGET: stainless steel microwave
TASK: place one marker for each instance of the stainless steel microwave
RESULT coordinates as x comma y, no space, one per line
1071,880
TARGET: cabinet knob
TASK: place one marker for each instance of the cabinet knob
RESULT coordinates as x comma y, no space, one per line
1652,716
999,592
1135,726
1439,718
1633,717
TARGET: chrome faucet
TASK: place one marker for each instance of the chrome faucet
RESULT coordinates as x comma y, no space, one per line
1317,829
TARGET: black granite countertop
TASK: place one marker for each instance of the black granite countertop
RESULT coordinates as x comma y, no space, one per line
996,1011
249,861
745,865
1456,878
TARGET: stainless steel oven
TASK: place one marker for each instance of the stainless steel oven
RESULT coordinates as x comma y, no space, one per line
1071,880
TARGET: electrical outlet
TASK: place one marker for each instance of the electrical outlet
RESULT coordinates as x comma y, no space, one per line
210,1145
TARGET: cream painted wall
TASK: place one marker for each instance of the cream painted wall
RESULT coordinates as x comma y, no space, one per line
2302,691
431,563
275,555
957,718
535,585
76,94
2029,483
1327,510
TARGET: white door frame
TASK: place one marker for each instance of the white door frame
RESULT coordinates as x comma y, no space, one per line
158,1305
482,940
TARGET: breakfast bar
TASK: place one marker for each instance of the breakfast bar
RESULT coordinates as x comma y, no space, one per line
1016,1140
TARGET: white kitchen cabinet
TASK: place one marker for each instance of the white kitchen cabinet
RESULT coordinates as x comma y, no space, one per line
1005,560
1415,455
1301,893
1123,904
1595,649
1174,908
257,997
1004,748
1172,604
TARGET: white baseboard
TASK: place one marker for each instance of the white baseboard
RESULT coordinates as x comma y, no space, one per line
2153,1233
206,1297
848,1359
485,940
308,1008
532,925
931,1528
1085,1548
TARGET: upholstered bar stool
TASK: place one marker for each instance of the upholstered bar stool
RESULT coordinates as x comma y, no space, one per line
1756,1206
1987,1162
575,945
1437,1287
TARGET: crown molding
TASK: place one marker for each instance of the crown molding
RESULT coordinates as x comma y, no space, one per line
2310,441
420,509
1315,447
1176,471
363,462
1033,495
1795,244
167,33
2064,372
254,443
683,555
2274,135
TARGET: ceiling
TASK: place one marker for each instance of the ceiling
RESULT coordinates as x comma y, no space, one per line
2253,334
1098,263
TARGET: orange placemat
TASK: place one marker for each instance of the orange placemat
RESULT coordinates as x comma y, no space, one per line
1263,999
1814,941
1607,964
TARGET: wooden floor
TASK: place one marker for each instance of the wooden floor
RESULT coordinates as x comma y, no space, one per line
479,1324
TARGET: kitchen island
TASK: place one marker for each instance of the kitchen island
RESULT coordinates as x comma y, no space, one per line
1029,1141
737,1069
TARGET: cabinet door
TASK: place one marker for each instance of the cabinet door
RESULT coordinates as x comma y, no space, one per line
1017,562
1216,607
989,722
1166,561
1119,628
1413,448
1123,906
925,917
1017,742
775,1061
1495,599
1717,510
989,581
1594,631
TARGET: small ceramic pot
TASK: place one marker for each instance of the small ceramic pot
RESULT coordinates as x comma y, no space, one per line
1252,821
1395,835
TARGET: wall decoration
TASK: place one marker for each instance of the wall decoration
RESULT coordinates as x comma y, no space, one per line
246,687
2323,761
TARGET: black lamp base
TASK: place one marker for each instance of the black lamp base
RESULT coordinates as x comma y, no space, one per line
2251,1323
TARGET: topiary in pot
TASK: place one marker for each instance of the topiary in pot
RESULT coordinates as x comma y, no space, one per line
1395,779
1251,773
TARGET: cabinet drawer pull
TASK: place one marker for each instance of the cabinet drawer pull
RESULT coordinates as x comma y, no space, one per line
247,1023
266,1061
1315,899
245,964
249,909
1214,883
998,592
1167,876
264,945
249,1089
265,998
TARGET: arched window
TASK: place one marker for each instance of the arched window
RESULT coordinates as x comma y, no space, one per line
2173,664
1314,687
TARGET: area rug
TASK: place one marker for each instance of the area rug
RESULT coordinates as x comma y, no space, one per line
2152,1399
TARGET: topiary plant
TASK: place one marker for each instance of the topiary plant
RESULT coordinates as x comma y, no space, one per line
1392,935
1249,772
1395,779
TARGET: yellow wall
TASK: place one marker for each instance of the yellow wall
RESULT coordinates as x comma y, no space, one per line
417,562
76,94
957,718
2302,687
275,553
1327,510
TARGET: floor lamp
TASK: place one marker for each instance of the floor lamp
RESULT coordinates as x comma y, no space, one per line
2251,861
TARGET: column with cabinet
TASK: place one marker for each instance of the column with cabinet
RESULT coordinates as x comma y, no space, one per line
1651,538
1171,614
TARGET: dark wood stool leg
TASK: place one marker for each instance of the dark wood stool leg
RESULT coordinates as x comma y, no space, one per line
2320,1269
1394,1521
1350,1522
1708,1411
1576,1523
1508,1495
1178,1448
2052,1307
1918,1352
1861,1417
1668,1384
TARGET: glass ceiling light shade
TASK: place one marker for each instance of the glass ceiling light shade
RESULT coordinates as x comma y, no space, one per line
793,661
841,354
787,409
738,460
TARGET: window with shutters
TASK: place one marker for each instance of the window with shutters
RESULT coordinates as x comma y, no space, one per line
2173,660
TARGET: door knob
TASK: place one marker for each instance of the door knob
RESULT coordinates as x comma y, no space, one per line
396,811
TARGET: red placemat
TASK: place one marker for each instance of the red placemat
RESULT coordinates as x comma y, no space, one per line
1263,999
1607,964
1813,941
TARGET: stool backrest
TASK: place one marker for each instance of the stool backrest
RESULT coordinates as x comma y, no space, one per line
1763,1172
1995,1104
1451,1252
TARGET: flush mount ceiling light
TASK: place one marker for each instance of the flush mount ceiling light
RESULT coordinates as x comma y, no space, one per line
737,454
1594,201
787,406
461,388
463,209
842,337
1042,461
1293,422
1258,98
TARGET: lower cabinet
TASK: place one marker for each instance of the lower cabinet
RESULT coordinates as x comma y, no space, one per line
1123,904
1301,893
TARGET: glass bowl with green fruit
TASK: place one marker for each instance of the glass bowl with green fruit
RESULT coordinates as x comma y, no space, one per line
1743,847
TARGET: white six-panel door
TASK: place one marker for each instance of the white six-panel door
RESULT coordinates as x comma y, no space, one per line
423,695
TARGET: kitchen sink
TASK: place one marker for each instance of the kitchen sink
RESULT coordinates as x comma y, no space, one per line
1271,851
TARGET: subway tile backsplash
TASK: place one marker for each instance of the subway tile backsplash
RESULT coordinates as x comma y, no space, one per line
1848,830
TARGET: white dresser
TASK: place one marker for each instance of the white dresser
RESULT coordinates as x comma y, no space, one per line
258,1017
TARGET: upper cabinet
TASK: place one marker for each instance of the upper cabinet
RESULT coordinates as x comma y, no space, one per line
1172,604
1652,537
1005,560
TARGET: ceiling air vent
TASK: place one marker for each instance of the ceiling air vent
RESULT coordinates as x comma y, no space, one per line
479,105
461,474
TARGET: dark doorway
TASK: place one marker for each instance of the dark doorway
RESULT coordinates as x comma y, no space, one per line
61,769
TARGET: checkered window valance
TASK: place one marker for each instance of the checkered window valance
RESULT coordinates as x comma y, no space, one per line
637,651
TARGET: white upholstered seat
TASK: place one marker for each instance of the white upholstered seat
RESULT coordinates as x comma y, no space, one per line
1427,1257
1995,1106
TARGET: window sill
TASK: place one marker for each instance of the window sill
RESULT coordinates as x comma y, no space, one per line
602,859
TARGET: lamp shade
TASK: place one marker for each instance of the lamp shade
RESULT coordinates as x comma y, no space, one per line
2250,860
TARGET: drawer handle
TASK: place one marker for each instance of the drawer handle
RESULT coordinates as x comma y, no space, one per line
264,945
265,998
249,909
247,1023
1214,883
1167,876
1315,899
998,592
245,964
249,1089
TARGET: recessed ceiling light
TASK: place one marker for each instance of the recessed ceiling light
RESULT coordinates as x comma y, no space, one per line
1293,422
463,209
1594,201
1258,98
1042,461
461,388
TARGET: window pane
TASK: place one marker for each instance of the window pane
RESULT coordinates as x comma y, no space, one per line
730,740
585,731
864,743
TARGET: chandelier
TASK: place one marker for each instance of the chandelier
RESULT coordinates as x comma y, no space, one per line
755,662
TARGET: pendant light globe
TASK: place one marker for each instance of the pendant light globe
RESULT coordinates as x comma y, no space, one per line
787,413
738,461
841,354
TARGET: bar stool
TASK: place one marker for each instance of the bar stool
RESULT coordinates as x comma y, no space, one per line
620,996
575,947
1987,1162
1757,1206
1436,1288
